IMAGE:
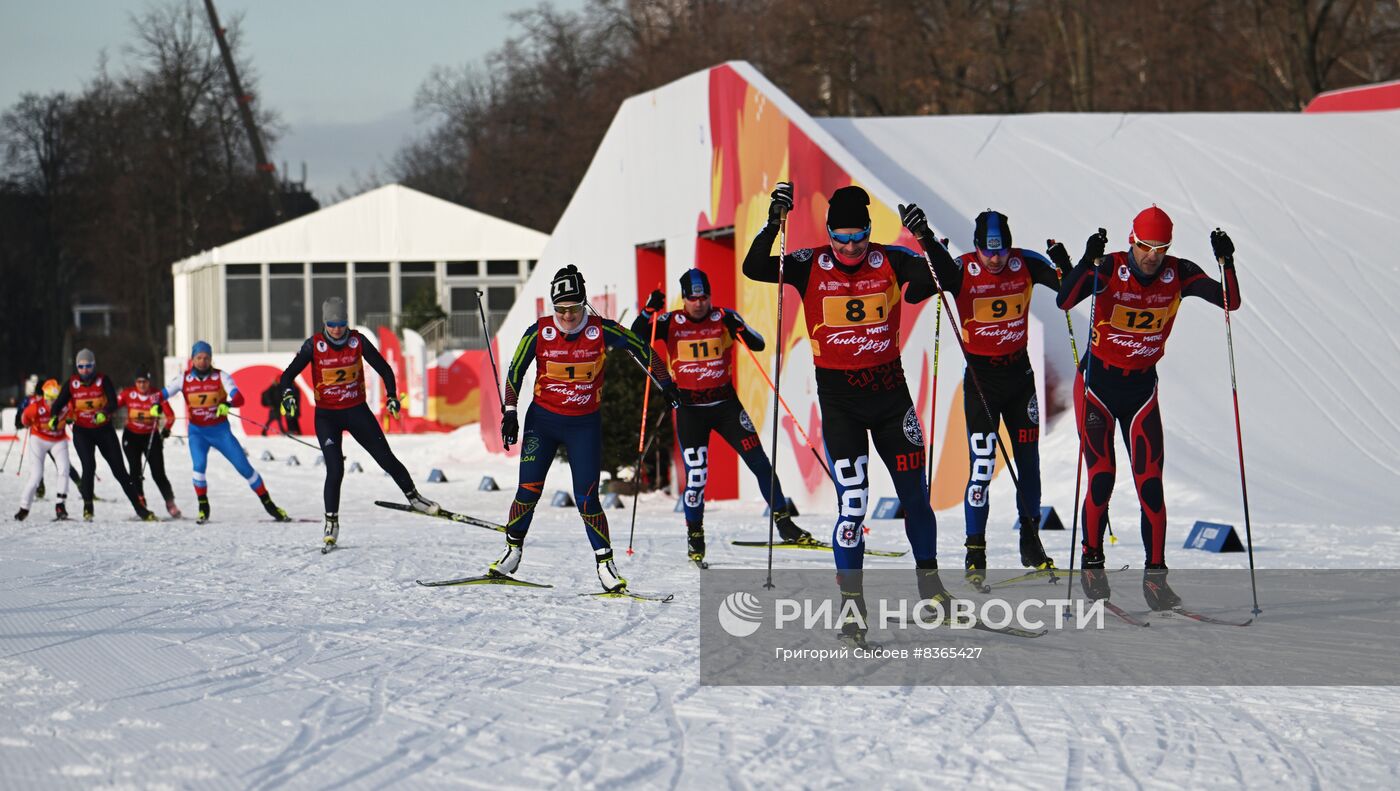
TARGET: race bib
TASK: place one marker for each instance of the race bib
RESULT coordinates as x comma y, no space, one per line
989,310
573,372
849,311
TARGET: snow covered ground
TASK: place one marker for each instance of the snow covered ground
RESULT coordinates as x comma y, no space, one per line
235,655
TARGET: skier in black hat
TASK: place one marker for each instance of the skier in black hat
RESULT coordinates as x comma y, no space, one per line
851,300
568,350
700,345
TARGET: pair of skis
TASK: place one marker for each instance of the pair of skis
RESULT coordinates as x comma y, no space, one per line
494,578
1182,612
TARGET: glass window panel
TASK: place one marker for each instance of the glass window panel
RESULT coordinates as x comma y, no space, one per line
417,267
285,269
244,308
286,298
500,297
502,267
372,267
252,270
371,294
415,287
462,268
463,300
328,268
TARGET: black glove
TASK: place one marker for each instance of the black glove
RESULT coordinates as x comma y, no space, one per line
1059,256
289,403
672,393
1093,249
656,302
510,428
780,203
165,433
913,218
392,404
1223,248
732,322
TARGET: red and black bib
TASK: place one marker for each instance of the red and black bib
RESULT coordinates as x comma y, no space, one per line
993,306
87,400
338,372
569,369
1131,320
852,319
138,409
701,353
203,396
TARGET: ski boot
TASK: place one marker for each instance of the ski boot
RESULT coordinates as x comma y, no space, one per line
695,543
509,560
173,509
855,623
21,514
789,531
273,511
1155,589
204,510
422,504
146,515
331,533
611,581
87,511
60,509
976,563
1093,578
1032,551
932,594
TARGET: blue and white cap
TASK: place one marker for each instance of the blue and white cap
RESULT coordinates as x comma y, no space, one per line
695,283
992,232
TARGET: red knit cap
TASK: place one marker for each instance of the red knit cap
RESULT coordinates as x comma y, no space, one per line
1152,225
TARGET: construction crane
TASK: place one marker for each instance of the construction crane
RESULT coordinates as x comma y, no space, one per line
267,172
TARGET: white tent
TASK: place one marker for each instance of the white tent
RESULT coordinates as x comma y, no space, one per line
1310,201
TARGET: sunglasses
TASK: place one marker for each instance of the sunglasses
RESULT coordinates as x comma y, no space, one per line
568,310
1151,248
85,366
992,253
335,325
697,298
847,238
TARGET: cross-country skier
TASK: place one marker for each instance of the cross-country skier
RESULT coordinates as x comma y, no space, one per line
45,442
90,396
143,438
337,357
568,350
1136,294
209,393
33,393
992,289
850,292
700,344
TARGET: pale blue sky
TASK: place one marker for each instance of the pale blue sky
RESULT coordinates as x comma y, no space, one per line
341,73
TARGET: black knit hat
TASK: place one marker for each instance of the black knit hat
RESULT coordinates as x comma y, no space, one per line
992,232
567,286
695,283
848,207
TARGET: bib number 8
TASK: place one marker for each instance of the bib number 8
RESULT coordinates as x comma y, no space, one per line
848,311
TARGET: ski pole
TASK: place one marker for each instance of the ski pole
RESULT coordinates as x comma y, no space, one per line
1239,434
11,449
1079,462
933,405
22,450
261,425
977,385
642,437
486,334
776,382
810,445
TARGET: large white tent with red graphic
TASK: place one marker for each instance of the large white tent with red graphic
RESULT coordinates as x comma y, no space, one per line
682,179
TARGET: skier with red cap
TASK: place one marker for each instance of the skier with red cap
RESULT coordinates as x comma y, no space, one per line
1135,296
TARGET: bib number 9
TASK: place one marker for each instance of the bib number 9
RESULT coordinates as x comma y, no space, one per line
849,311
989,310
